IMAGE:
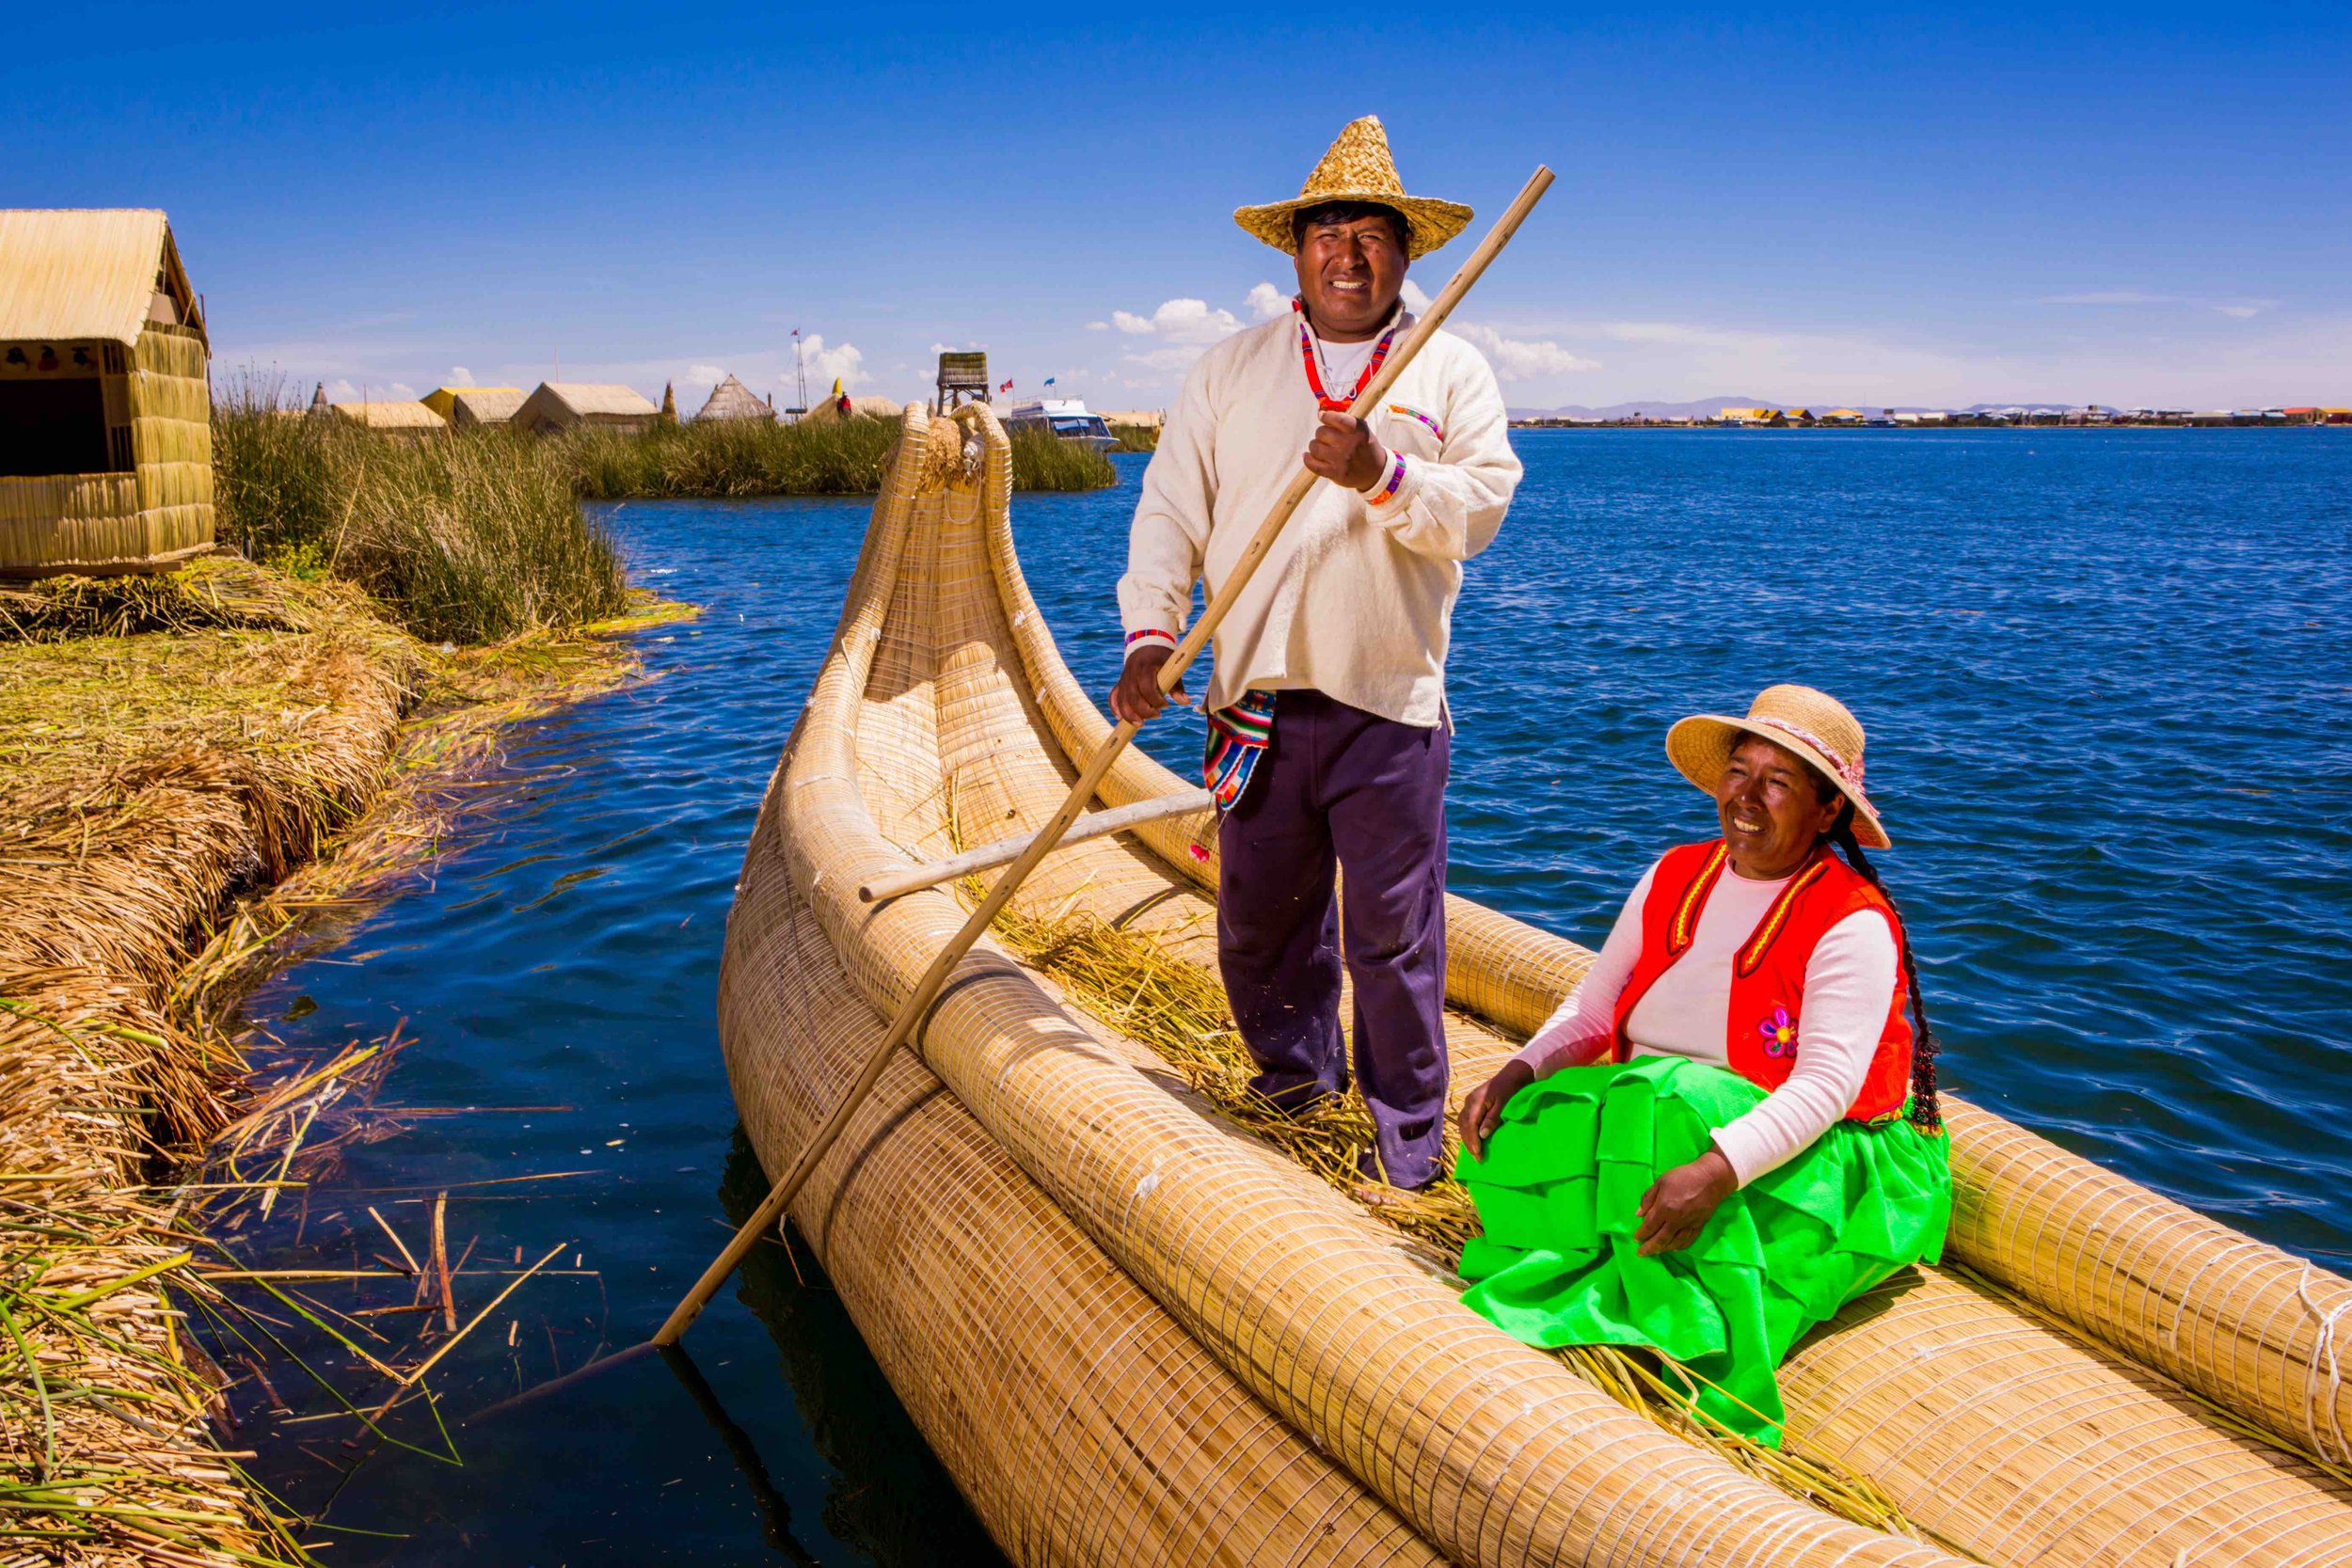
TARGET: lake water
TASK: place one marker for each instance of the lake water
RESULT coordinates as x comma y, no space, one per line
2105,675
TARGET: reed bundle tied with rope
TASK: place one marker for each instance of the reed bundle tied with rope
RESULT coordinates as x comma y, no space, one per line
1091,1051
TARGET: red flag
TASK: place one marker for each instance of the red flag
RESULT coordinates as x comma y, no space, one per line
1006,388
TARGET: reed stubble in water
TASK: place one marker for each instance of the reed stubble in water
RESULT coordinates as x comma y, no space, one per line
168,744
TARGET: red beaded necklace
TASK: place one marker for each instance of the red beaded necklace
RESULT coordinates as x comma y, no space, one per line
1314,369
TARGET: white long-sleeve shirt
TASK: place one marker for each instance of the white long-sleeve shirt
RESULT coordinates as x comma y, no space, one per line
1355,600
1849,985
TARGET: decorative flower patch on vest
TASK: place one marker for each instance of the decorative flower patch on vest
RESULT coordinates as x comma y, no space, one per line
1779,1033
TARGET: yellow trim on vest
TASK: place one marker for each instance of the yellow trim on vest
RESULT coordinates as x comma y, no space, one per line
1694,899
1775,918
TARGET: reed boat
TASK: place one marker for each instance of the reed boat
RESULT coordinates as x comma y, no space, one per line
1138,1331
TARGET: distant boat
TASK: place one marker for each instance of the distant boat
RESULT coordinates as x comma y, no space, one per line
1066,417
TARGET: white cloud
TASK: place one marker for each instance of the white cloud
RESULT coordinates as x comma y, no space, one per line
402,389
2239,310
342,389
1167,361
1512,358
1098,326
1266,302
1180,320
712,373
1521,358
2110,296
847,361
460,376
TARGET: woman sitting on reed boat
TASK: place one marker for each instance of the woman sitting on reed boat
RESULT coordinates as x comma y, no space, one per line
1730,1129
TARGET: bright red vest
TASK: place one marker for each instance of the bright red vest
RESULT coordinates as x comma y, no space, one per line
1768,971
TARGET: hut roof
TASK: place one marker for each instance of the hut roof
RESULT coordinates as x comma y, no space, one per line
89,273
486,404
391,416
597,397
732,400
443,399
869,408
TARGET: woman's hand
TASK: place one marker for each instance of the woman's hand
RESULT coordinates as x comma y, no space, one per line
1482,1113
1679,1203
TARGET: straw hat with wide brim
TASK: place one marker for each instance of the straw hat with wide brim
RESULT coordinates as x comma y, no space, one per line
1358,169
1812,725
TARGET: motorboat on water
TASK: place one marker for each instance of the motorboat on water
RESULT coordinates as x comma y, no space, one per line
1065,418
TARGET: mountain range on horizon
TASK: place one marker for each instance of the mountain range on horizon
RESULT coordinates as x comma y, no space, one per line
1708,408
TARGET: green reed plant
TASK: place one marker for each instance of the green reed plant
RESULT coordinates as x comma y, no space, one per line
736,458
1137,437
730,458
466,537
1045,462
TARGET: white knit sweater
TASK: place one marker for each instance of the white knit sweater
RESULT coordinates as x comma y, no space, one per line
1849,985
1355,600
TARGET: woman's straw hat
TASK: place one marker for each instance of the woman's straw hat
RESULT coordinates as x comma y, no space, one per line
1813,724
1358,169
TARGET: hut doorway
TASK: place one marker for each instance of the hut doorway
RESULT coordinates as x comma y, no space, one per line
55,426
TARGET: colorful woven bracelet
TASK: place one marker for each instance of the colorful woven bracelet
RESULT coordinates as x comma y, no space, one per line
1149,634
1387,492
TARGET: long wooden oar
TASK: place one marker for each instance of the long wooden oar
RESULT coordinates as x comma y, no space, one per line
1093,825
927,990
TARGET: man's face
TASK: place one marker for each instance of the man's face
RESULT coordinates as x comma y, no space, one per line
1349,274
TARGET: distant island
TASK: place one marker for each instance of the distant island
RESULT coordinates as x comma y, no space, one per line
1760,414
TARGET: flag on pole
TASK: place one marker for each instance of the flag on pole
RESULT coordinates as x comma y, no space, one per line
1007,387
1049,380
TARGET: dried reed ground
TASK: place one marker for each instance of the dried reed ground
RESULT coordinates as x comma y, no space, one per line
167,746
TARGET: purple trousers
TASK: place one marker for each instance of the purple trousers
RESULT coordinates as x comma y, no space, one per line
1343,788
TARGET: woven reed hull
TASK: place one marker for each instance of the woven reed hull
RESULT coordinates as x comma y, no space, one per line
945,714
1081,1422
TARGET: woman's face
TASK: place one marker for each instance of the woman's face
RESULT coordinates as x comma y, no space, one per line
1774,809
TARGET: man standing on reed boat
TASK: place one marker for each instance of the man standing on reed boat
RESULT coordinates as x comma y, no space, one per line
1328,733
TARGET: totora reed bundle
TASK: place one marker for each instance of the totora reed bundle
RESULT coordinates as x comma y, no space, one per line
177,753
1090,1047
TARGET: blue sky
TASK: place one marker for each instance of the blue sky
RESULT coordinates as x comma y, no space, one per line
2129,206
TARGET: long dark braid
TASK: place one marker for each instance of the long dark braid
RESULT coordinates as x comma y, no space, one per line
1925,1113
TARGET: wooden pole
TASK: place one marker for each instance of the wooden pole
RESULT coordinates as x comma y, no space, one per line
1095,824
927,990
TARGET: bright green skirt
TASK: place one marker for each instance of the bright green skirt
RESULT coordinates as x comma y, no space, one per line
1566,1171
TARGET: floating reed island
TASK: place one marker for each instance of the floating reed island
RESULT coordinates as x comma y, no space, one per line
1139,1326
190,760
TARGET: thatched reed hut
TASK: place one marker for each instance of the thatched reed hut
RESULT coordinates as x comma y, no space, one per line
106,396
477,407
443,399
732,400
827,410
400,419
560,406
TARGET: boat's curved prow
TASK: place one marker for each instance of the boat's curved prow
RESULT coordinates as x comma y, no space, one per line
1050,1261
